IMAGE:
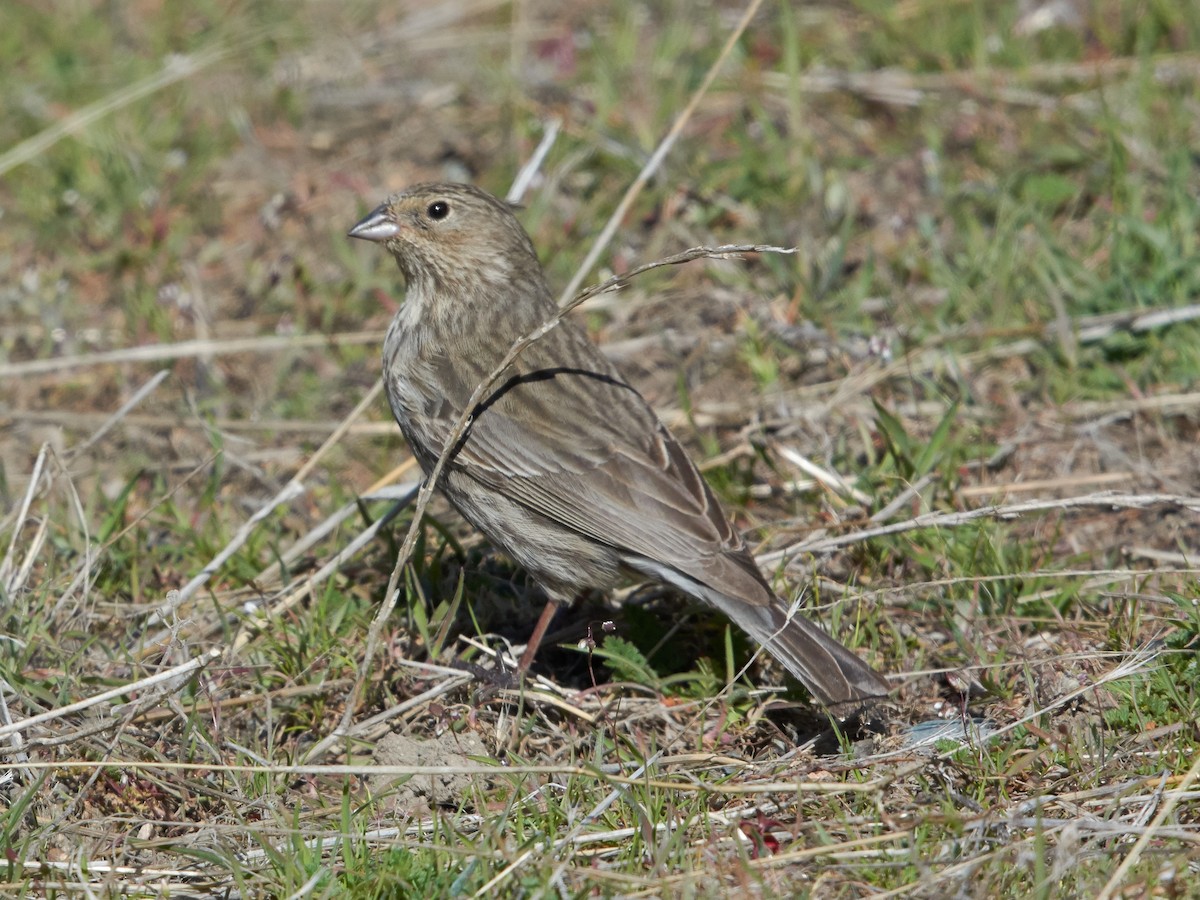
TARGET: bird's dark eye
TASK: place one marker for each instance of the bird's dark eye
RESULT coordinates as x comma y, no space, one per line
439,209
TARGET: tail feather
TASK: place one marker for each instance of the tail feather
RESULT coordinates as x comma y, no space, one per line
830,671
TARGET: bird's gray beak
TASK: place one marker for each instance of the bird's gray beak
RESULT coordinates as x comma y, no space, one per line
377,225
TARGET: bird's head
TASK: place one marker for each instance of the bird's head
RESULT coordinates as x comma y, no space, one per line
444,235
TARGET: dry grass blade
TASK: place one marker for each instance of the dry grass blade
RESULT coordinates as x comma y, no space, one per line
900,88
596,811
8,578
453,681
525,177
660,153
296,593
194,349
178,675
176,68
128,406
293,489
1106,499
400,495
1173,799
831,480
70,419
1136,663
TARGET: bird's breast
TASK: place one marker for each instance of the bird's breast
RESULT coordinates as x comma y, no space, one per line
407,375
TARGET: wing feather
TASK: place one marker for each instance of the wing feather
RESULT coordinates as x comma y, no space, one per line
567,437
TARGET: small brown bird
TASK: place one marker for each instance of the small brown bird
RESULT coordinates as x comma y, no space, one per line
565,466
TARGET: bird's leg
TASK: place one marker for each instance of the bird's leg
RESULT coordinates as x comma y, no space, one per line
539,631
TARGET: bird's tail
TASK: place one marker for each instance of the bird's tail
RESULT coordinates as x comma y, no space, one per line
830,671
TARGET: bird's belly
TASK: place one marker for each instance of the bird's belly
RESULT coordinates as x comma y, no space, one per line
562,561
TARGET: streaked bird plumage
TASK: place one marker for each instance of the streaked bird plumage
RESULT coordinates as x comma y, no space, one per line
565,466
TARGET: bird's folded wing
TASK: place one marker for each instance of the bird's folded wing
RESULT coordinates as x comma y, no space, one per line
621,479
